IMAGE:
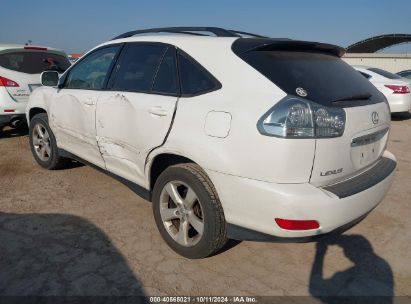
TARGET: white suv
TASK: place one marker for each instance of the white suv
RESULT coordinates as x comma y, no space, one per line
229,137
20,69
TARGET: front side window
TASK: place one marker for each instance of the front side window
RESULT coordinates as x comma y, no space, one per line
91,72
137,68
194,78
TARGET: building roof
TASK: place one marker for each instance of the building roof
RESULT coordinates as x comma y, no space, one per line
374,44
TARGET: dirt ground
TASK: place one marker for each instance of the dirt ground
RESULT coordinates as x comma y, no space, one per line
80,232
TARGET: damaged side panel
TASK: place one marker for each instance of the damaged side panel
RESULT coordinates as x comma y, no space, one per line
72,115
129,125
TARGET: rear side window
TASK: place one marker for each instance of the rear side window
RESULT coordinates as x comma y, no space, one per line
406,74
323,76
137,68
365,75
195,79
384,73
166,78
34,62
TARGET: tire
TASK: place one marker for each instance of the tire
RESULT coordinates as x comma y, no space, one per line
41,136
199,203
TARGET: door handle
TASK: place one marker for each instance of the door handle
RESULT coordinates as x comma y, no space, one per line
89,102
158,111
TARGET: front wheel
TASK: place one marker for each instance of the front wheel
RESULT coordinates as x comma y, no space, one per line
188,212
43,144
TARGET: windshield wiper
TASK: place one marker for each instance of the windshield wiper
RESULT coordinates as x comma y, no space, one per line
364,96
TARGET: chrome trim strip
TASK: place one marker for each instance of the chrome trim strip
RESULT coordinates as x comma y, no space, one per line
369,138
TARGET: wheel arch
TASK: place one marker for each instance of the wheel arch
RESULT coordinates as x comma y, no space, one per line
34,111
39,102
162,161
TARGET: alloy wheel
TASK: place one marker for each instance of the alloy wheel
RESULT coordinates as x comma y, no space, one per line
181,213
41,142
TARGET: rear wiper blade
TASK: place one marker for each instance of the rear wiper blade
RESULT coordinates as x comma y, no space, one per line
365,96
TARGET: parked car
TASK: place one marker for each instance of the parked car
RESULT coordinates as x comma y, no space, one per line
395,88
229,137
20,69
405,74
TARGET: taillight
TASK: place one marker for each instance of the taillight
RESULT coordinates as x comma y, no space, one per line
5,82
299,118
36,48
397,89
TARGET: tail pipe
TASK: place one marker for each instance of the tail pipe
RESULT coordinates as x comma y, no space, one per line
17,122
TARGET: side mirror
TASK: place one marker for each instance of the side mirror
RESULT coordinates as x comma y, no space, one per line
49,78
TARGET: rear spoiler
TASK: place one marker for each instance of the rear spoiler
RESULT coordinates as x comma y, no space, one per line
34,49
244,45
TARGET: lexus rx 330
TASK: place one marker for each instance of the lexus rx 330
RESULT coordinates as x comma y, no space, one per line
229,136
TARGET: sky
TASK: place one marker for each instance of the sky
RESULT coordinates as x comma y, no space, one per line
77,26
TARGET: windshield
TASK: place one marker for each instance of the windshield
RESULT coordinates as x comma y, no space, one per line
385,73
33,62
322,77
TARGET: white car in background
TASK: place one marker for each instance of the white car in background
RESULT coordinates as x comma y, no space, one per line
229,137
395,88
20,70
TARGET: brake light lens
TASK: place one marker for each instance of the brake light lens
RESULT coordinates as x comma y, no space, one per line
299,118
5,82
37,48
297,224
398,89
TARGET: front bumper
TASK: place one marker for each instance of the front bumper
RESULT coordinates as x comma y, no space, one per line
253,205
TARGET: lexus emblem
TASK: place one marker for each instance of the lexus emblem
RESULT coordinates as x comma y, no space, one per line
301,92
374,118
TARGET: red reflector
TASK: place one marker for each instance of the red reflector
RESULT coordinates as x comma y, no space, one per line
5,82
398,89
38,48
8,111
297,224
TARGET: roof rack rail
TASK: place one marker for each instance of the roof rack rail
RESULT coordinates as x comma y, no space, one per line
219,32
247,34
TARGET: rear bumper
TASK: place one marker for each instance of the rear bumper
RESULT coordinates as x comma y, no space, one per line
7,103
244,234
253,205
7,119
400,104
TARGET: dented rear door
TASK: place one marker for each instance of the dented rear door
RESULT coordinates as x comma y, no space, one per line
135,114
129,126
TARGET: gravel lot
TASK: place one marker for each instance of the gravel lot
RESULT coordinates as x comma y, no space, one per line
80,232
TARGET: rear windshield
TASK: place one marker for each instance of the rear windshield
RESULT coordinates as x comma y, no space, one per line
323,77
384,73
33,62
